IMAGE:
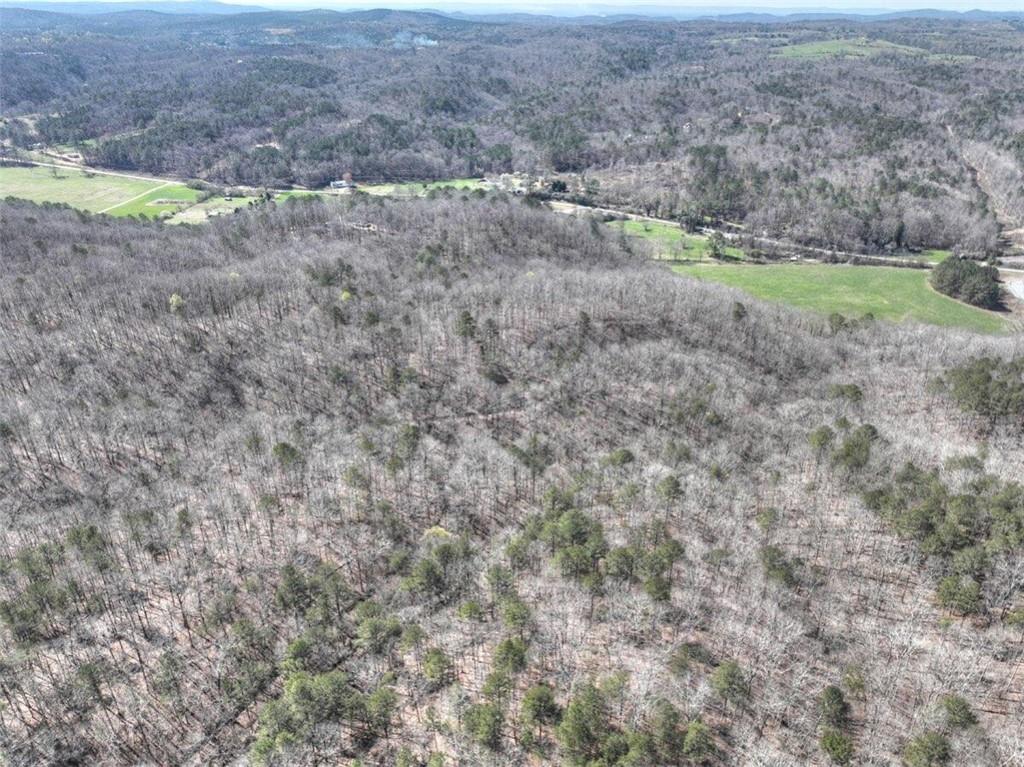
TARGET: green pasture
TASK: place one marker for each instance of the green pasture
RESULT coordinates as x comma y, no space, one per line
80,189
858,47
670,242
166,199
888,293
416,188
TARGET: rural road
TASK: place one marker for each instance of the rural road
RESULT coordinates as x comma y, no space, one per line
575,208
1015,284
158,180
1013,278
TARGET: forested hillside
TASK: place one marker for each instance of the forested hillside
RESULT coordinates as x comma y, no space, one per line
905,133
456,481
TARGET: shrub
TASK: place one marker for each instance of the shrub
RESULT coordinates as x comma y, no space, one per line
539,706
958,712
930,749
471,611
730,683
437,667
969,282
855,452
834,708
837,746
850,392
698,744
667,738
620,457
510,655
483,723
658,588
821,438
515,614
584,726
776,567
465,325
669,488
687,654
286,454
960,595
988,387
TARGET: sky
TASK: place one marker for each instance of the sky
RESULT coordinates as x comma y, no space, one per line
561,7
565,7
654,7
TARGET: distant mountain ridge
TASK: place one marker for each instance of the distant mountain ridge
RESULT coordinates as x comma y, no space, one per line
186,7
614,14
729,14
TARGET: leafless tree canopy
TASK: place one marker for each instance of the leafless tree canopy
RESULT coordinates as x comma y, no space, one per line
480,485
919,143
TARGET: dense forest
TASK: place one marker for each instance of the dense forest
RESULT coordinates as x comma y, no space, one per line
875,137
456,481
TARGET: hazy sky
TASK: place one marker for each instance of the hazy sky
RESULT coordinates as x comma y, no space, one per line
579,8
558,6
567,7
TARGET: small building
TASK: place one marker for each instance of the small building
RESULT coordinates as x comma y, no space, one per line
345,184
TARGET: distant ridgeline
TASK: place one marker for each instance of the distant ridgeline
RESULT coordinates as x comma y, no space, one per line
754,120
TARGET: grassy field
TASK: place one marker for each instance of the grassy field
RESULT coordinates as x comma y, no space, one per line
124,196
113,195
92,192
165,199
859,47
419,188
671,242
888,293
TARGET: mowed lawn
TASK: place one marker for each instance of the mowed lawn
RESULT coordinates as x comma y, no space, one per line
670,241
888,293
92,192
168,198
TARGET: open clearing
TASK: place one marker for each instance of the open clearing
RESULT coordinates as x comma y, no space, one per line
211,208
671,242
418,188
889,293
79,189
859,47
934,256
113,194
170,198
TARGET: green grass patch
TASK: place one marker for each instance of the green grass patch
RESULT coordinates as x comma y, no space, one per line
159,202
671,242
858,47
934,256
298,194
80,189
417,188
888,293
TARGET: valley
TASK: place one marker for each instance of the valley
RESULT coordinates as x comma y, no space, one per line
398,388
